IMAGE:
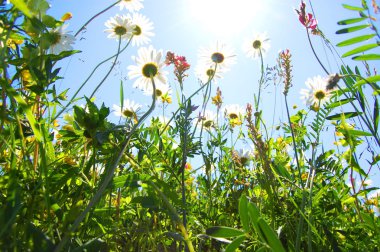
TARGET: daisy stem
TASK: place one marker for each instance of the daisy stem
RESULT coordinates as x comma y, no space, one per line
109,174
257,102
88,78
95,16
109,71
315,54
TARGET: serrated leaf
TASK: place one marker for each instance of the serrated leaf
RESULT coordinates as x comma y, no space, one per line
360,49
354,8
352,29
367,57
235,243
351,21
223,232
355,40
343,115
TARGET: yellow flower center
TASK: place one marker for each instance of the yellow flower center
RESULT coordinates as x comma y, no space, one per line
158,92
55,38
120,30
233,116
150,69
207,123
128,113
320,94
137,30
217,57
210,72
256,44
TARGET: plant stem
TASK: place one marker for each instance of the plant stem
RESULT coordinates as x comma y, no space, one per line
109,175
315,54
95,16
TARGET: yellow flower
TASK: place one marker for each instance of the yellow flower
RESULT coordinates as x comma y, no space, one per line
66,16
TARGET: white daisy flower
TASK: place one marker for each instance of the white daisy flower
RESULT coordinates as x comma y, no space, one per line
149,64
128,110
142,31
61,40
234,113
205,72
119,27
208,119
316,94
163,92
131,5
256,44
244,156
219,54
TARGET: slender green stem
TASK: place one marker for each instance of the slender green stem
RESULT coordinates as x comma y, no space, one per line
109,71
315,54
110,173
95,16
88,78
257,102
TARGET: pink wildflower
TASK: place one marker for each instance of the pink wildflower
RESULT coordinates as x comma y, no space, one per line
306,20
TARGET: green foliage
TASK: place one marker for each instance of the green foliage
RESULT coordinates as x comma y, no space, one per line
80,182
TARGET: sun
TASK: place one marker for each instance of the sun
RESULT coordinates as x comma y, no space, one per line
223,17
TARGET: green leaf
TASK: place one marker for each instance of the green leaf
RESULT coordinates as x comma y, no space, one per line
343,115
376,116
339,103
360,49
121,95
367,57
28,113
271,236
355,40
243,212
235,243
21,5
352,29
358,133
223,232
351,21
354,8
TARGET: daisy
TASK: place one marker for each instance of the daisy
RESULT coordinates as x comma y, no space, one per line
208,119
60,40
163,92
119,27
131,5
316,94
149,64
128,110
219,54
234,113
207,72
244,156
143,29
256,45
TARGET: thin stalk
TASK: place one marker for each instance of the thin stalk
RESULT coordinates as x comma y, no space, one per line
174,216
88,78
109,71
95,16
109,176
315,54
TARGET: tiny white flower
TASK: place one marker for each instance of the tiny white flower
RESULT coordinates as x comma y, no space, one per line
61,40
256,45
119,27
131,5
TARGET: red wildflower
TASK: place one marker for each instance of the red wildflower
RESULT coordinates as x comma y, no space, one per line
180,65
